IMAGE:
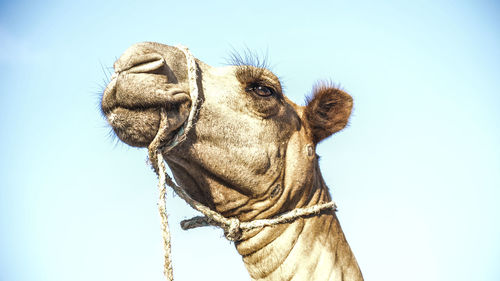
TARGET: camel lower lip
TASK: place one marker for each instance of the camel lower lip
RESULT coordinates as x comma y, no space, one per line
134,127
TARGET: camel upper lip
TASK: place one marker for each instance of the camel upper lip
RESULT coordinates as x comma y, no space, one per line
155,91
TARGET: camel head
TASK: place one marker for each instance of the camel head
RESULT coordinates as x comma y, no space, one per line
251,151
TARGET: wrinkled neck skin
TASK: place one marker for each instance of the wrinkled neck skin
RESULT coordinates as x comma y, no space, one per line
312,248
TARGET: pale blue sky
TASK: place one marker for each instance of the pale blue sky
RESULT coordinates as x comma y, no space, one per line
416,175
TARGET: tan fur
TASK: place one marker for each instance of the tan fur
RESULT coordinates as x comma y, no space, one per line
250,154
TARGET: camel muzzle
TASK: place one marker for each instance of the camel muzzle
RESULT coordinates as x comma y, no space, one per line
144,83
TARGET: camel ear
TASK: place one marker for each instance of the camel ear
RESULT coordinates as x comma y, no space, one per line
327,111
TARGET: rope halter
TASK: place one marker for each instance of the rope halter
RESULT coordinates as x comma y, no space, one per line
233,227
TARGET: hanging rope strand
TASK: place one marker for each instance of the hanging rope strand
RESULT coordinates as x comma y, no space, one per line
158,164
155,152
162,208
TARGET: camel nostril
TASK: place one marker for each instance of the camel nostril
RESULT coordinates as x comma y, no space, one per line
143,63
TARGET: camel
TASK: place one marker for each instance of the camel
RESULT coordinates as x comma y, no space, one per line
249,155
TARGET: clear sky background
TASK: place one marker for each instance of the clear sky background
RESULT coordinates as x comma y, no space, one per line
416,175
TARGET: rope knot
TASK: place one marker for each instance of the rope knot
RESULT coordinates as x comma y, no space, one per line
233,230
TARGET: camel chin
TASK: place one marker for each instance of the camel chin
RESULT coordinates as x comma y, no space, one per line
134,127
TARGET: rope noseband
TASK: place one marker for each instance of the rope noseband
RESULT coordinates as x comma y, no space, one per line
233,227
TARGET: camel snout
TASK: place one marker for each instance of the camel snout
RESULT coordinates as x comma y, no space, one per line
143,83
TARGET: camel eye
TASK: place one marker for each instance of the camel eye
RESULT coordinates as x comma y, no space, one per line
262,91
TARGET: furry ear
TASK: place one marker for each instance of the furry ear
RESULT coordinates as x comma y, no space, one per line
327,111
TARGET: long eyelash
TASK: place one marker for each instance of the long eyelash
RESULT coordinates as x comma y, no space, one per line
249,65
248,57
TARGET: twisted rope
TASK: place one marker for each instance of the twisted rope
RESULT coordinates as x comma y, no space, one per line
159,166
233,227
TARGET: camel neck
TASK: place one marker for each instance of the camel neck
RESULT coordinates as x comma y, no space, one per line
312,248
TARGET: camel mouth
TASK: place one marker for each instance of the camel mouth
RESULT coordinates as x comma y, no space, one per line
133,111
